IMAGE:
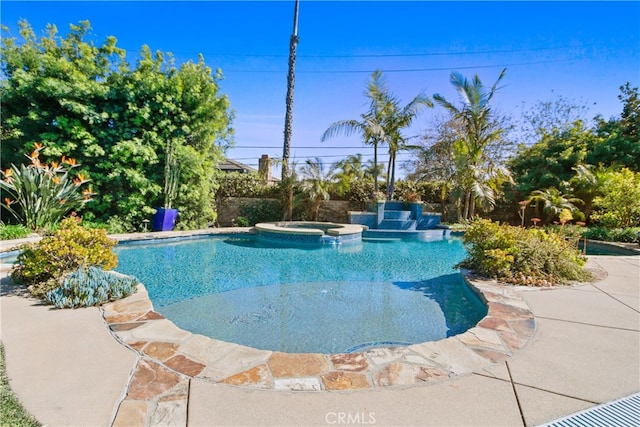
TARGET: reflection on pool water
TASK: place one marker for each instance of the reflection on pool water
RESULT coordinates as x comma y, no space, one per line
323,300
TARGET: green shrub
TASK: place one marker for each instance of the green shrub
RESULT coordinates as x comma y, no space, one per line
236,184
91,286
262,211
627,235
522,256
114,225
10,232
43,265
241,222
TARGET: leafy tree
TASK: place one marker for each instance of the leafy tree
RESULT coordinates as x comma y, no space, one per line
551,162
86,101
551,117
618,141
53,92
478,127
619,205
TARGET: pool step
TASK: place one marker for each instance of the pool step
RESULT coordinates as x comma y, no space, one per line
398,224
405,215
432,234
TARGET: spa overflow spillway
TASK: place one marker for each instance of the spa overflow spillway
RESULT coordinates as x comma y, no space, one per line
320,299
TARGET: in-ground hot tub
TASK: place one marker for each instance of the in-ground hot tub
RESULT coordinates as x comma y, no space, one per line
308,232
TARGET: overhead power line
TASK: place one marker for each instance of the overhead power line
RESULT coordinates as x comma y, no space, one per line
404,70
324,147
372,55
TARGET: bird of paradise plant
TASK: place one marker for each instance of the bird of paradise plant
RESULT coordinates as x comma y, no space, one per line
39,195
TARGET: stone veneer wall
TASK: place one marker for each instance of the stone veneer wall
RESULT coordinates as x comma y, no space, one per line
332,210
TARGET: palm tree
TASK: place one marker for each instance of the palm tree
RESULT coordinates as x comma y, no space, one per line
348,171
554,201
291,75
316,182
588,184
373,169
478,130
371,125
396,119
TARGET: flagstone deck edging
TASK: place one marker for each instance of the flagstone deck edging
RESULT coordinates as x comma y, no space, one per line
169,357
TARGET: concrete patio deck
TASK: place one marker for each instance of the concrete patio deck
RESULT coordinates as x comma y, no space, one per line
68,369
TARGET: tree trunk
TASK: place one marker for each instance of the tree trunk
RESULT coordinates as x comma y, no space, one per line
375,167
467,196
392,181
288,119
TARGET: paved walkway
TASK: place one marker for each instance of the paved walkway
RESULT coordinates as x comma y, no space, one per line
68,369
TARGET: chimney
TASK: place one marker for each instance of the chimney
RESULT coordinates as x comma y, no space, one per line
264,168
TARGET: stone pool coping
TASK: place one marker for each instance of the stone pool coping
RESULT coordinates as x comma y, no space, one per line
173,355
335,230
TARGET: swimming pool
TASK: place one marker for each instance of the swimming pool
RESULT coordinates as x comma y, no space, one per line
313,300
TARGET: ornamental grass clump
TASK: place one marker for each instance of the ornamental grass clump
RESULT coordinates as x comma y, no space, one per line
43,266
91,286
522,256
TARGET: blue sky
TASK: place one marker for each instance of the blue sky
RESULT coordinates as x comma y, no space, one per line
583,51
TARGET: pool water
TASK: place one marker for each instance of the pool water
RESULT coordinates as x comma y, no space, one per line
331,299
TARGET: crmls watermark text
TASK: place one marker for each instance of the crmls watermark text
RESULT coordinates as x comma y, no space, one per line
350,418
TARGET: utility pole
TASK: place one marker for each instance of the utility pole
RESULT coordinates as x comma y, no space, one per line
291,76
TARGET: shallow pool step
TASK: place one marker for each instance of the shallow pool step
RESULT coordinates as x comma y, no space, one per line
398,224
433,234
